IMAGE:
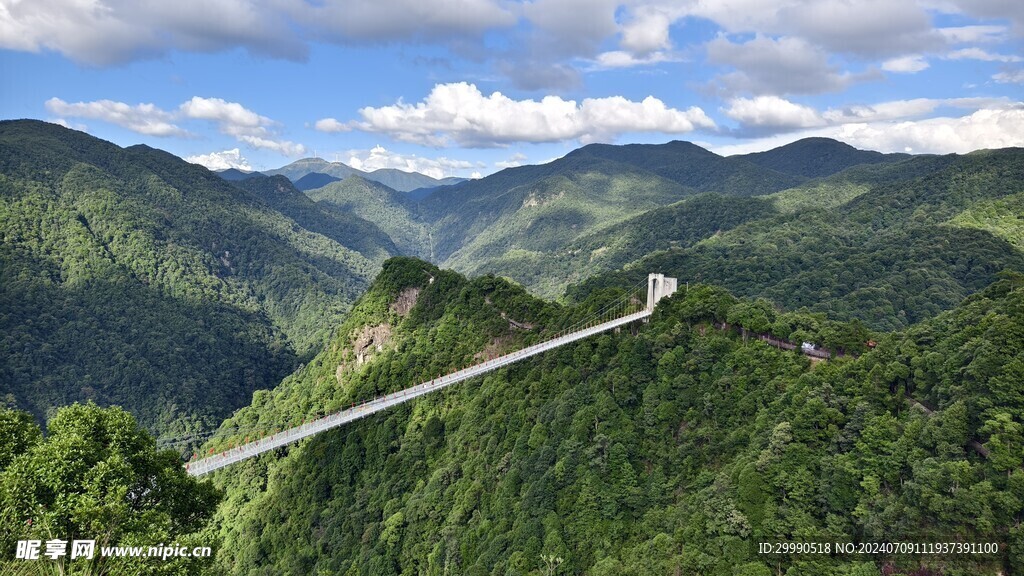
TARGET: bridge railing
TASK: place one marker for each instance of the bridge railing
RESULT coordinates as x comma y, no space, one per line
251,449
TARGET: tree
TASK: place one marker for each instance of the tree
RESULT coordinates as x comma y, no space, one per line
1005,441
98,476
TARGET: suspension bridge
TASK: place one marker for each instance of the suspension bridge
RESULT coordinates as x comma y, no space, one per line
617,314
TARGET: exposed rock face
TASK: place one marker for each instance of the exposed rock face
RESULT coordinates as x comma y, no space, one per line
368,341
371,339
405,301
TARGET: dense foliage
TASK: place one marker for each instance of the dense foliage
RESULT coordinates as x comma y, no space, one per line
695,167
673,448
548,272
895,254
97,476
339,223
128,276
817,157
388,209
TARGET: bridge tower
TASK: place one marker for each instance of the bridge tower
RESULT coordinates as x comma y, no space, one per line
658,286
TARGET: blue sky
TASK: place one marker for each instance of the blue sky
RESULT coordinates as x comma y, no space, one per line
467,87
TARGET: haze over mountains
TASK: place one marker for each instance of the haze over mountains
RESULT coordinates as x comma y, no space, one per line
393,178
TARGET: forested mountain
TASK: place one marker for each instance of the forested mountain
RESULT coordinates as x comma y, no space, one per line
695,167
548,272
396,179
532,210
339,223
128,276
234,174
315,180
896,253
304,166
539,207
817,157
408,181
671,448
388,209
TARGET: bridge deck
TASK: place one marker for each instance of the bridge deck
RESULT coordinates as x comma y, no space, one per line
251,449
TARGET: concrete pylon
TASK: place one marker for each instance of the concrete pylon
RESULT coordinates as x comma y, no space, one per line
658,286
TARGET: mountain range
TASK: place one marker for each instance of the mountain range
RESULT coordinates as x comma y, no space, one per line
219,307
400,180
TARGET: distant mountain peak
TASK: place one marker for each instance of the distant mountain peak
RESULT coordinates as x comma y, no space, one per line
817,157
391,177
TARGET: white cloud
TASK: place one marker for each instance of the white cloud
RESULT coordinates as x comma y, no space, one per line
66,124
867,28
331,125
623,59
882,111
236,120
460,113
1010,77
973,34
776,66
979,54
910,64
985,128
222,160
283,147
145,119
231,118
773,112
648,29
988,128
412,20
517,159
105,32
379,157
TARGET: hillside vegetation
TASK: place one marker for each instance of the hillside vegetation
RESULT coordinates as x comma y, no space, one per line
673,447
130,277
817,157
895,254
388,209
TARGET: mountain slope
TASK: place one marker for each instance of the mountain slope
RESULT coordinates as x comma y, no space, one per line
539,207
896,253
388,209
234,174
404,181
538,213
396,179
817,157
304,166
131,277
695,167
342,226
315,180
670,448
548,273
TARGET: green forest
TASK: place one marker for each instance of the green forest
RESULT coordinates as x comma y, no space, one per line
130,277
152,311
671,448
